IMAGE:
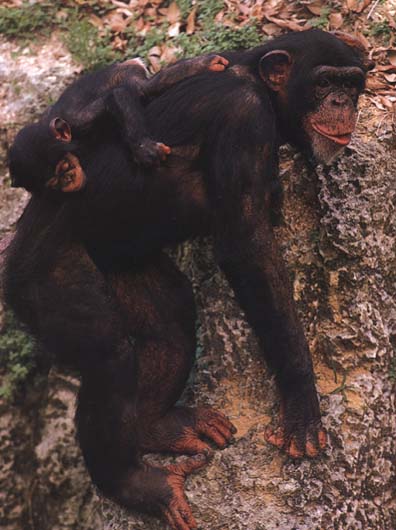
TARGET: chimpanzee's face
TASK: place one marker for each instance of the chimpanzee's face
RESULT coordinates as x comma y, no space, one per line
315,87
334,92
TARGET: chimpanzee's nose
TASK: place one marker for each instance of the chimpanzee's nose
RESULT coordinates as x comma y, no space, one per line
338,100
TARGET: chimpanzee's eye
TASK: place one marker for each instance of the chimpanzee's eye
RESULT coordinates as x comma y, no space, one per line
323,82
349,83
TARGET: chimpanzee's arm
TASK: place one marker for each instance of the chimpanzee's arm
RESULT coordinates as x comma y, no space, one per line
243,161
171,75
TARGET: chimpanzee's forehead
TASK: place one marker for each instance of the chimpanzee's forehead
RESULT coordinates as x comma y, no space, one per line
316,47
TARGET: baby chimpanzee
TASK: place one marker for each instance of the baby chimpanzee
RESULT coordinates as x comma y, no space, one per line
44,155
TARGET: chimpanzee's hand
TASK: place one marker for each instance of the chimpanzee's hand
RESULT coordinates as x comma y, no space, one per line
150,153
300,432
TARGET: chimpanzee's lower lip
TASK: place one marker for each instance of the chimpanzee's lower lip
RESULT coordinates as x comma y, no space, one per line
341,139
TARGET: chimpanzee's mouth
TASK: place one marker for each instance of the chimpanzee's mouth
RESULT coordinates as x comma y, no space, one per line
341,139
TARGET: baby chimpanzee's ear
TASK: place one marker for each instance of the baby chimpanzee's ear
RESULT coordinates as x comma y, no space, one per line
60,129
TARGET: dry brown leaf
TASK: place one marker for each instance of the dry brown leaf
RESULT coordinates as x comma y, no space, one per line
220,15
169,54
244,9
336,20
190,28
391,20
173,13
116,22
271,29
154,58
358,5
132,4
392,57
119,44
385,68
96,21
287,24
139,24
391,78
257,11
374,83
316,7
174,29
125,12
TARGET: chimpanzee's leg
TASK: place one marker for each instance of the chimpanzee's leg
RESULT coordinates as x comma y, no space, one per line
126,402
159,307
77,314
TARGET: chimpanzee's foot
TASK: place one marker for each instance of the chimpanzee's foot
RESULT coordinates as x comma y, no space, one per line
178,512
180,431
159,490
216,63
300,433
150,153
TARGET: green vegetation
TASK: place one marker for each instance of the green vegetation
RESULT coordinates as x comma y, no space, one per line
87,47
216,37
94,49
382,30
22,21
17,356
321,22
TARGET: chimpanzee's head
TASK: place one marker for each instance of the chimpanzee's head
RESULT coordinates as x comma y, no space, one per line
43,157
315,79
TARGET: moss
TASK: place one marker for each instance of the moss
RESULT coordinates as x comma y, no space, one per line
381,30
22,21
17,356
322,21
87,47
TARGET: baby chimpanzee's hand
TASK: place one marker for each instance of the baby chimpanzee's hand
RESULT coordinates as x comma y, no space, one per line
150,153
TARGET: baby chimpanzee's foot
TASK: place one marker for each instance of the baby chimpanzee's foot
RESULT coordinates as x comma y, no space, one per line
150,153
215,63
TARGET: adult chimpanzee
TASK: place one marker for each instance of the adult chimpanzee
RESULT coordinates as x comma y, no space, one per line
43,153
87,273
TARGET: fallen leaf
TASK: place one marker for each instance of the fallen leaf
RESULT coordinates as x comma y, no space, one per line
245,10
391,20
391,78
336,20
154,58
315,8
116,22
173,13
386,102
287,24
174,29
220,15
358,5
374,84
169,54
385,68
96,21
271,29
190,28
119,44
392,57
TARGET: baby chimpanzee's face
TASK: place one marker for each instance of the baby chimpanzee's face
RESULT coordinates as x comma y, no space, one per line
69,176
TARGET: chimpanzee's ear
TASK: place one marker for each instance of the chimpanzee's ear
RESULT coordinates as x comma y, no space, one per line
274,68
60,129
